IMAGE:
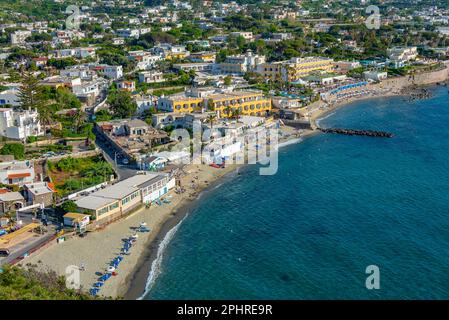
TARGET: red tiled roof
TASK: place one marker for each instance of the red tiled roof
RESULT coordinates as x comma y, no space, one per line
19,175
106,126
51,185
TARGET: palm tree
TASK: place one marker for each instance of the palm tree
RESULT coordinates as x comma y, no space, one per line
11,215
45,117
236,114
228,111
79,119
210,119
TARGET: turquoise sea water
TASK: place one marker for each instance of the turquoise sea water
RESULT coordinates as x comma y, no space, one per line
336,205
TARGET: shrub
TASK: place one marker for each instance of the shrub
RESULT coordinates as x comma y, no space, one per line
69,206
15,149
31,139
30,284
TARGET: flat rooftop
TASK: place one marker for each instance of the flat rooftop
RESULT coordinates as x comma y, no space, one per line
93,203
38,188
118,191
15,165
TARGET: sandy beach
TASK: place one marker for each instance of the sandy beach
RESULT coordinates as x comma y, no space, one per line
97,250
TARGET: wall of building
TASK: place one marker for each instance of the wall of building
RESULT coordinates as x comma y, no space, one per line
112,209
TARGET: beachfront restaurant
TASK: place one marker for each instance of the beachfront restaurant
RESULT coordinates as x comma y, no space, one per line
110,203
124,196
156,187
98,207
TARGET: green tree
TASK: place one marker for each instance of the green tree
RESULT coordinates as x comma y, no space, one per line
45,116
236,114
228,111
69,206
79,118
227,80
122,105
30,284
30,93
102,115
15,149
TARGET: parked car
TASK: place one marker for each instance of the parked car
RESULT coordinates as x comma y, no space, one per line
4,252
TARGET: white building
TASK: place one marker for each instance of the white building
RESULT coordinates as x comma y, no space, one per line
402,54
18,37
128,33
240,64
126,195
344,67
118,41
85,89
82,72
145,60
247,35
144,30
19,125
17,172
145,103
195,66
80,53
151,77
9,97
375,75
113,72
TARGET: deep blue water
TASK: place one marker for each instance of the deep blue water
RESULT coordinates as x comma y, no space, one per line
336,205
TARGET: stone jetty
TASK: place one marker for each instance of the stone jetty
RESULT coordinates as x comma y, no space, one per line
352,132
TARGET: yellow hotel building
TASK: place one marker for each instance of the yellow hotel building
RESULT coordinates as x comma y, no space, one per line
180,103
247,102
295,68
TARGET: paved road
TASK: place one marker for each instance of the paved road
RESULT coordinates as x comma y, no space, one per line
123,171
26,246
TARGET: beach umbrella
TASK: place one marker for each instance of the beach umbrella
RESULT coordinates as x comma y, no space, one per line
94,291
